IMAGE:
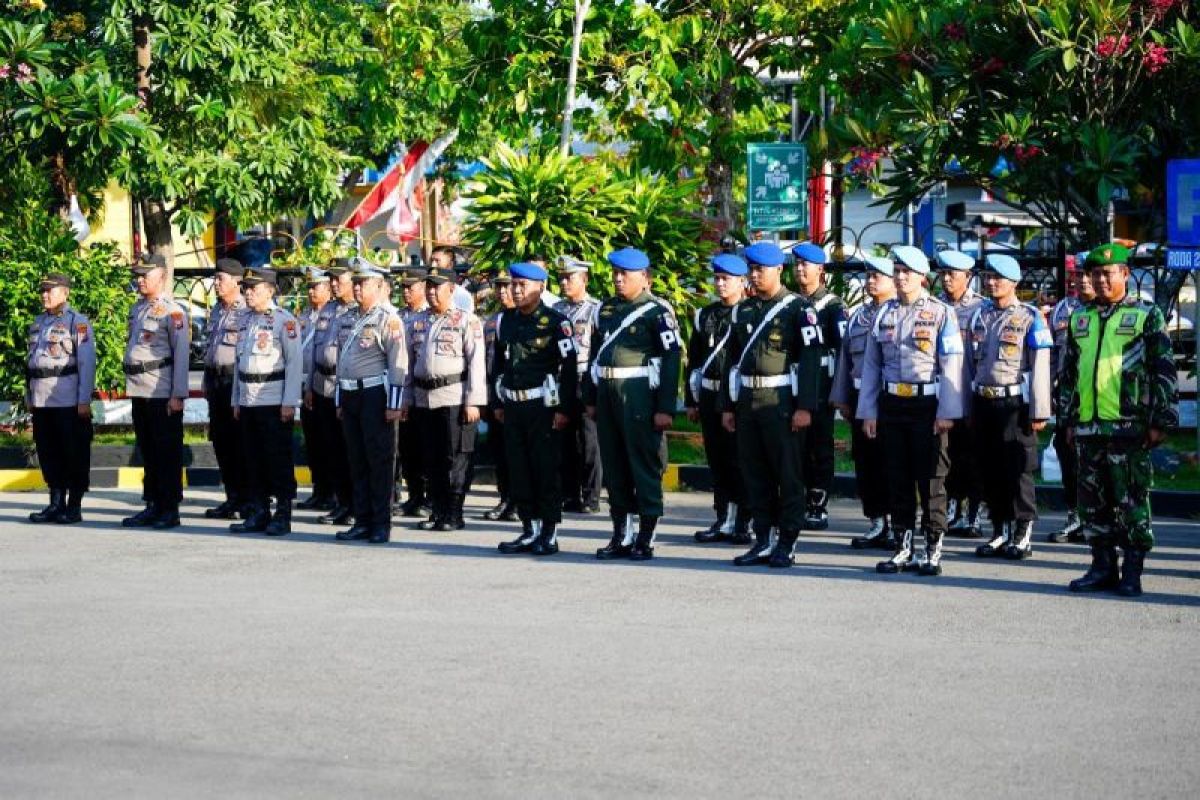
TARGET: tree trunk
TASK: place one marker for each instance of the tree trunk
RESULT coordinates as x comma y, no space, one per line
581,11
156,219
719,171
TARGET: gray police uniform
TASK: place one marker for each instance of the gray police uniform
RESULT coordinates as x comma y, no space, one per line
328,444
963,483
583,475
912,375
156,370
319,468
449,372
410,455
226,324
269,375
60,372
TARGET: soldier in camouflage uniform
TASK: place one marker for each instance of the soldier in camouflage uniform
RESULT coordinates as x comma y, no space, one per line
1117,396
506,509
583,476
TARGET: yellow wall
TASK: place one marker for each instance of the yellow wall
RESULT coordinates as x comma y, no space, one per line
115,224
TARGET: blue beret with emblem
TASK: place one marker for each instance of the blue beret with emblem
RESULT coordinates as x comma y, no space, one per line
729,264
764,254
812,253
629,259
1004,266
528,271
911,258
879,264
953,259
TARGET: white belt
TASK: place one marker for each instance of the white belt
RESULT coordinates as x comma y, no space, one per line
766,381
354,384
520,395
995,392
712,384
618,373
912,389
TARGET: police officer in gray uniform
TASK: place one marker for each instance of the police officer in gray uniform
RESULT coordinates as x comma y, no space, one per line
156,381
583,476
372,371
869,472
449,387
410,455
60,373
266,394
320,295
912,391
333,324
506,509
226,322
1008,358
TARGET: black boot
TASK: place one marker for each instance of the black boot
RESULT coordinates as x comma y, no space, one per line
71,513
932,565
1001,536
380,534
620,545
817,516
356,531
256,521
281,521
226,510
1072,531
784,554
58,501
643,545
546,543
167,518
741,526
1131,573
971,530
143,519
760,551
497,511
878,536
902,558
714,532
340,515
436,522
1021,546
412,507
523,543
457,520
1102,575
314,502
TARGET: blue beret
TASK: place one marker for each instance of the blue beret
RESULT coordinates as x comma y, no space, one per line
810,252
729,264
1004,266
880,265
953,259
911,258
764,254
531,272
629,259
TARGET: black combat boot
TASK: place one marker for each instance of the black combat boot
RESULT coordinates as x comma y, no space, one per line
973,529
167,518
1131,573
760,551
143,519
1103,574
1072,531
902,558
72,512
1021,546
228,509
932,564
620,545
546,543
355,532
314,502
380,534
58,501
255,522
456,518
816,518
340,515
643,545
524,542
741,526
1001,536
784,553
878,536
412,507
499,509
281,521
715,532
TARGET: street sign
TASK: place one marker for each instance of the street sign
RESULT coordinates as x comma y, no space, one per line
1183,202
1183,258
777,187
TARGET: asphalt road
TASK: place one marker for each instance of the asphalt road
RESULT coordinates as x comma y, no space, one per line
194,663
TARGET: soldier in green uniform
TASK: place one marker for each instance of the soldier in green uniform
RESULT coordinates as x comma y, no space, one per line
1117,395
532,395
773,387
630,389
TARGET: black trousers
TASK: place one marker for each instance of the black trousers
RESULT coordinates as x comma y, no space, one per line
370,448
319,466
964,481
721,452
270,467
450,449
583,475
63,441
498,448
410,462
1003,433
1068,461
159,438
916,459
534,453
818,450
331,448
870,471
225,433
771,457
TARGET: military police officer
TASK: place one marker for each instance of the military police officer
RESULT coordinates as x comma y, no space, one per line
818,439
320,294
869,472
156,381
60,373
708,362
226,323
582,474
912,392
534,395
630,389
410,455
773,384
1117,396
266,394
506,509
1008,359
449,387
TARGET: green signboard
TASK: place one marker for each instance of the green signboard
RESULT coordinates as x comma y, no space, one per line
777,191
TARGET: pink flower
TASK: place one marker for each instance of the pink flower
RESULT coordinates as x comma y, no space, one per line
24,73
1111,46
1157,9
1155,58
4,70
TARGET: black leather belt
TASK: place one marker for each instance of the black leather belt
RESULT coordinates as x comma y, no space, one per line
219,374
146,366
246,377
37,373
321,369
429,384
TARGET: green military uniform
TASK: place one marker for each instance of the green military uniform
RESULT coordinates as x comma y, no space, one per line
633,375
1117,383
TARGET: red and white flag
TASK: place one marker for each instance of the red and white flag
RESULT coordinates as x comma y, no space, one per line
399,192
